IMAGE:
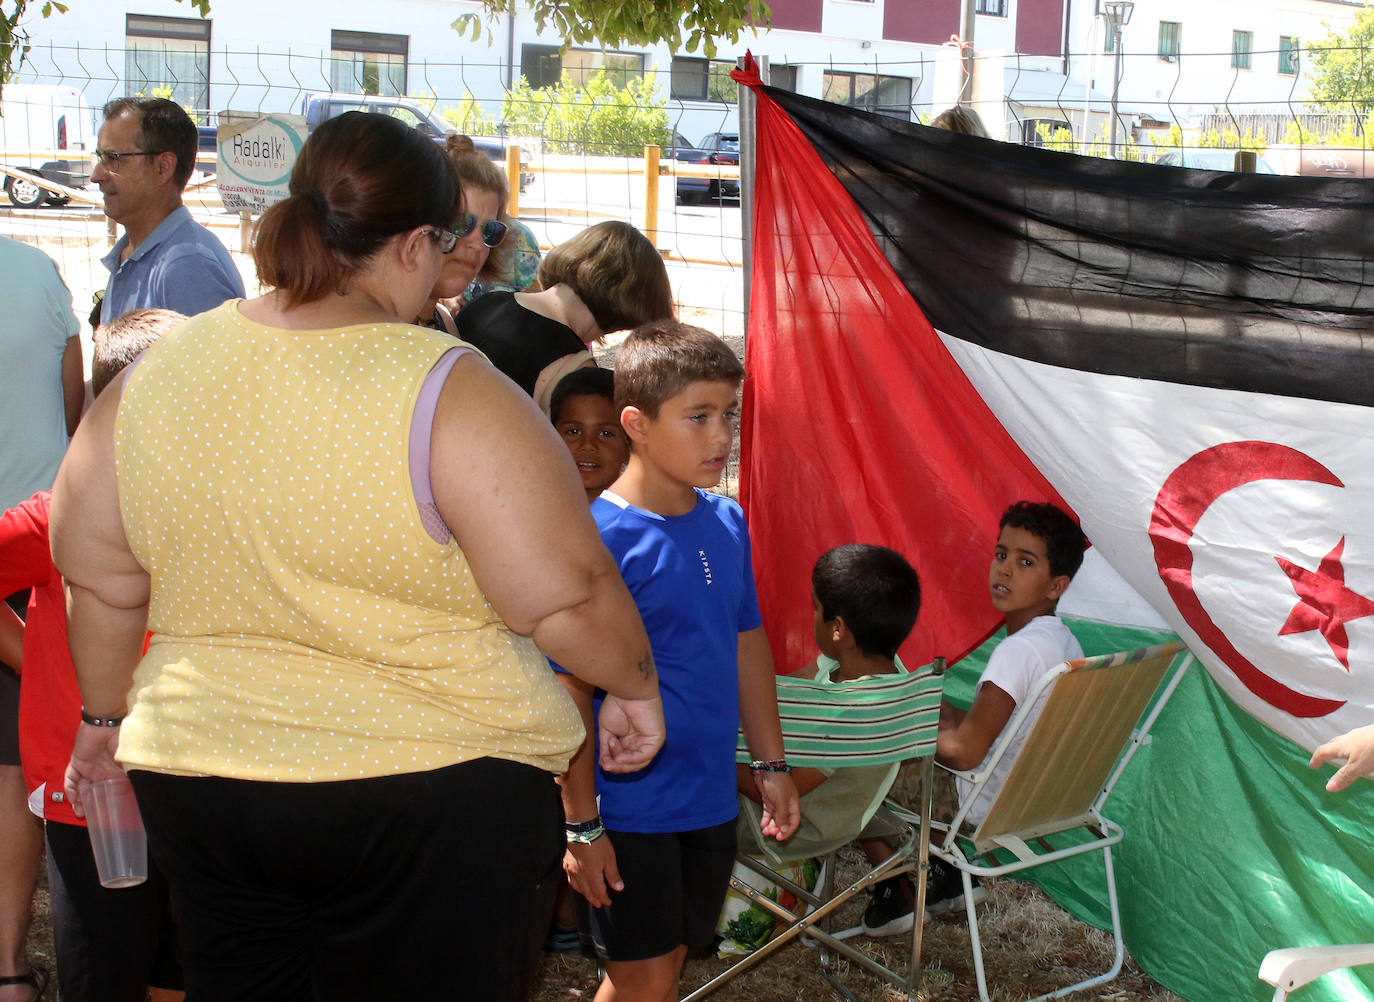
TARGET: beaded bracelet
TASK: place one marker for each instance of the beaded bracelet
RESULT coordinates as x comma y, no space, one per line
584,832
86,718
584,838
774,765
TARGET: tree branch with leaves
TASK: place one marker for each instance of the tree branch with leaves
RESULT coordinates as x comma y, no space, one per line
683,24
1343,68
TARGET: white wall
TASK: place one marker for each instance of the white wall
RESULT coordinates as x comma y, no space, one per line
277,50
1203,78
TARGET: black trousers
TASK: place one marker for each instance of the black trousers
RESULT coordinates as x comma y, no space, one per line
111,945
426,886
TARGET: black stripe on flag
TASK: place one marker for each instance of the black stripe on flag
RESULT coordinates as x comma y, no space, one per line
1249,282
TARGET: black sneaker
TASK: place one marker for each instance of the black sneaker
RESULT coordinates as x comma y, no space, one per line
890,911
945,889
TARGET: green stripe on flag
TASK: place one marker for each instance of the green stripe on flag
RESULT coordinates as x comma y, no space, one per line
1233,847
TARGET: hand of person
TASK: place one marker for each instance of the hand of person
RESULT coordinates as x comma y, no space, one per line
781,807
93,759
591,870
1356,748
631,732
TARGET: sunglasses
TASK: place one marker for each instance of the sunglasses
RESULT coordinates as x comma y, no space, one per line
493,230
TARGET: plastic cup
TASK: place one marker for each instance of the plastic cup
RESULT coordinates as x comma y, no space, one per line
116,829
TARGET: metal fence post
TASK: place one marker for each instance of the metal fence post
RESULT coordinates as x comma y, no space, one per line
748,132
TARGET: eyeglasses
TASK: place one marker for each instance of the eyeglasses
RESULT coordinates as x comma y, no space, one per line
493,230
446,239
111,159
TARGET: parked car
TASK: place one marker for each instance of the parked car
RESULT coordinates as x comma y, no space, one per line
48,132
700,189
318,108
1212,160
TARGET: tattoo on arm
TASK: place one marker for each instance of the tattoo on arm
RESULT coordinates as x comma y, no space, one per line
646,664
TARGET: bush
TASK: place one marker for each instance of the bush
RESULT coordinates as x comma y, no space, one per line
1349,134
599,119
470,119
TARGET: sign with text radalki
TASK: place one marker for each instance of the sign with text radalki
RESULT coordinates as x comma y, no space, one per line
256,155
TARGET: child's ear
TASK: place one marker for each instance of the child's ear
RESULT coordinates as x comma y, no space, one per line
632,419
1059,585
838,629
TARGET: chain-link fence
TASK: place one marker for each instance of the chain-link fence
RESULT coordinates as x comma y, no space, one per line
582,151
582,135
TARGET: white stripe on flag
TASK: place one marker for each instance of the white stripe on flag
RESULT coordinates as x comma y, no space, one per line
1259,544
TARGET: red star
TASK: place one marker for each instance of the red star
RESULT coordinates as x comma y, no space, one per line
1324,602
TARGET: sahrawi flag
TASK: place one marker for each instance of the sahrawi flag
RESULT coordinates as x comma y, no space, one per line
1186,359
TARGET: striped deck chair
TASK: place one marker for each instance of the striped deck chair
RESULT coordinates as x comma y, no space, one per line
878,721
1075,751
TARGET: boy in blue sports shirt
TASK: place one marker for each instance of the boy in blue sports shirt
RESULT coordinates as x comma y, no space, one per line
655,862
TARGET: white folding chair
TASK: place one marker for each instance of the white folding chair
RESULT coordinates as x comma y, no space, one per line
1073,755
1292,968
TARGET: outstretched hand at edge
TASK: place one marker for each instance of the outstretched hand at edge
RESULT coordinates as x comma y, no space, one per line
1356,748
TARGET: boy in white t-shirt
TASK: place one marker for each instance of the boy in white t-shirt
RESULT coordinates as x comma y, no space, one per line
1039,549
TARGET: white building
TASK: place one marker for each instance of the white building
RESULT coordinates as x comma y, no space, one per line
1037,59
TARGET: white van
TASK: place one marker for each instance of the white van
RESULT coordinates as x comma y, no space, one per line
48,131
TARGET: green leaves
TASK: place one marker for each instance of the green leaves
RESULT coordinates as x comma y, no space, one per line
615,24
1343,68
599,119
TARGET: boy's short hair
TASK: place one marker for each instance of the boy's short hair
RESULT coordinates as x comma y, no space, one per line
873,589
588,382
1064,540
119,342
661,359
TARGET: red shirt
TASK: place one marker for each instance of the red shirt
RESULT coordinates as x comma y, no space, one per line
49,701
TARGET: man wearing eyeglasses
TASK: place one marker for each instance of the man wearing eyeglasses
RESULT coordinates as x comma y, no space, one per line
145,152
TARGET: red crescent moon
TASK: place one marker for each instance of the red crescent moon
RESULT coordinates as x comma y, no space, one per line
1186,495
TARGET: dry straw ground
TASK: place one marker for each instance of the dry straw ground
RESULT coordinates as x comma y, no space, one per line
1031,946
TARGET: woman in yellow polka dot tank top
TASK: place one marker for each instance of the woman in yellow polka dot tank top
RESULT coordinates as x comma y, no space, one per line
351,539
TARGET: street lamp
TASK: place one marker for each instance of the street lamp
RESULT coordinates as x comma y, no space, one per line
1118,14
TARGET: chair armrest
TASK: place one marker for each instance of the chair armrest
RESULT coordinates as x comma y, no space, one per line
1296,966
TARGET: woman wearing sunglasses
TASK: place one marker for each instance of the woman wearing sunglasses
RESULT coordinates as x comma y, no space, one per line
609,277
347,535
479,248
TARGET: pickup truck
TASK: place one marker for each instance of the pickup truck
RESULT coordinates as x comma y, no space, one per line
318,108
717,148
47,132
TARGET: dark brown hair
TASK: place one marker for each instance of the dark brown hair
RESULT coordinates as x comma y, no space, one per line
360,179
661,359
476,171
585,382
163,127
119,342
873,589
1064,540
616,271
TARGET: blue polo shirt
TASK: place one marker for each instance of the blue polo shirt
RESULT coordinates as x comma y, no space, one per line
181,266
